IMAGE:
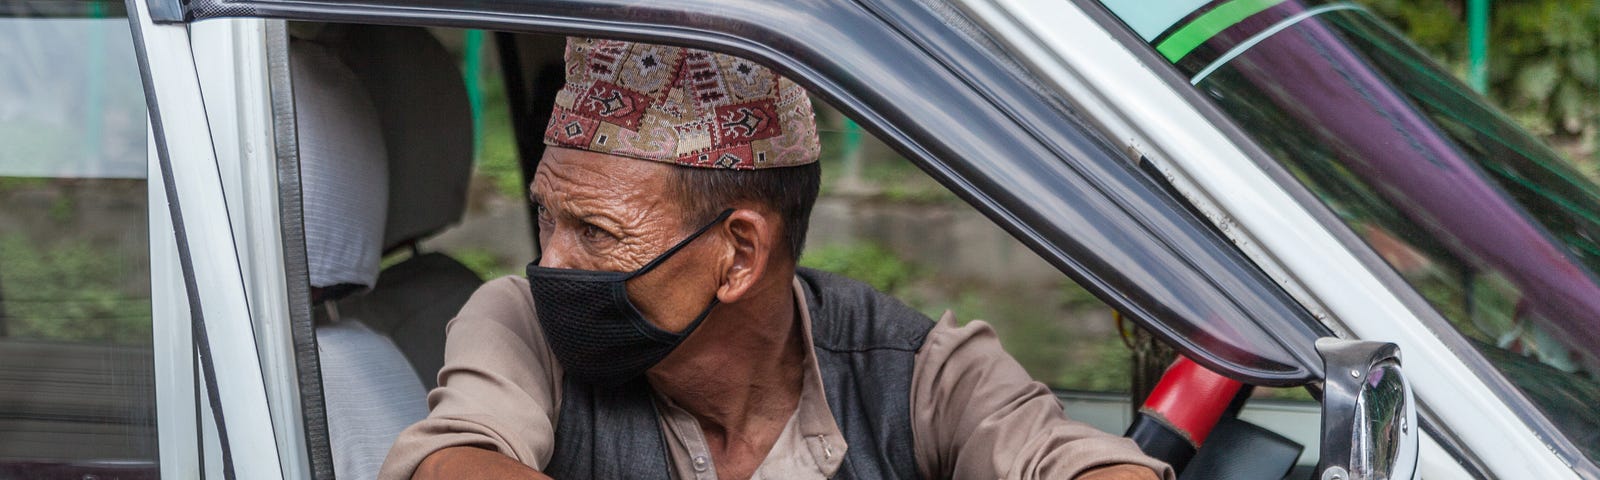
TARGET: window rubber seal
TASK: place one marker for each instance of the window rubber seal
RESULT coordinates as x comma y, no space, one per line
291,219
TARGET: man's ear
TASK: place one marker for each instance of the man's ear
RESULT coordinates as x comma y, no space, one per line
753,238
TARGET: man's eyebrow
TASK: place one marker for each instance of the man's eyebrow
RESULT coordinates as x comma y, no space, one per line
533,196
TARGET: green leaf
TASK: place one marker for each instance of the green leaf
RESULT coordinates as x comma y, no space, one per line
1585,68
1568,107
1537,81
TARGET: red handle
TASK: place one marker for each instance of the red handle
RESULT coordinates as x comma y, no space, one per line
1191,399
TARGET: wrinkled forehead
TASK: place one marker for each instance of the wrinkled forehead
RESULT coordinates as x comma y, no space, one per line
580,177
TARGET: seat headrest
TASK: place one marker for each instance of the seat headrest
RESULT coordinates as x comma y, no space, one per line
343,168
427,123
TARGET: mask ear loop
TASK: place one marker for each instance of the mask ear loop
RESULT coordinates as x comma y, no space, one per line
664,255
667,254
689,330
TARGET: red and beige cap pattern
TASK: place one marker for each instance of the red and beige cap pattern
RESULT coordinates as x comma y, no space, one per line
679,105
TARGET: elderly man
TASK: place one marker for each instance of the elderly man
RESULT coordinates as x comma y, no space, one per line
666,332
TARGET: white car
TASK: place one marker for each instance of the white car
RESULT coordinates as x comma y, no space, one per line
1251,180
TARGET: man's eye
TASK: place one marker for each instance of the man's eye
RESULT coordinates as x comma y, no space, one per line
593,232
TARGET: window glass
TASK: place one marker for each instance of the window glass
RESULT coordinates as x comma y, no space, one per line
77,393
1490,226
881,220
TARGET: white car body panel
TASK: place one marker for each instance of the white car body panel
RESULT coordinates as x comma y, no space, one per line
172,345
206,234
233,80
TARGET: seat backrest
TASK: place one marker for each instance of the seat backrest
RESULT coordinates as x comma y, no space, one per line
381,116
370,393
426,124
385,153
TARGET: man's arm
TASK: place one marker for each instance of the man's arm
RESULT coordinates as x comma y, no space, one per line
497,394
473,462
977,414
1121,471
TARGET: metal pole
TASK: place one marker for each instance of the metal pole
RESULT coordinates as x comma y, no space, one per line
1478,44
94,92
851,146
473,64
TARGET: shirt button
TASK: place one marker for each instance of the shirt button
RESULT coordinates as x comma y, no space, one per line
700,463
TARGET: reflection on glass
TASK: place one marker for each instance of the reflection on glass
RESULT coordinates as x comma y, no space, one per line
77,395
1381,423
1485,222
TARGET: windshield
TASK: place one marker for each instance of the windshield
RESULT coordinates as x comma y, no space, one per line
1489,225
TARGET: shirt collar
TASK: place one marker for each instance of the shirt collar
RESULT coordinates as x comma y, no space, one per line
813,418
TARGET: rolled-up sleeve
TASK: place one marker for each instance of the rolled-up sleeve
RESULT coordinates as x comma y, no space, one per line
977,414
498,390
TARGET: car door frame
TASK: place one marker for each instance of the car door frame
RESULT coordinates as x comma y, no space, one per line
213,278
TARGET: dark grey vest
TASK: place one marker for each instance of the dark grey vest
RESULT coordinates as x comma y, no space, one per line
865,342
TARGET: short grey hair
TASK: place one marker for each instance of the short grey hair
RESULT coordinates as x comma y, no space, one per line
790,191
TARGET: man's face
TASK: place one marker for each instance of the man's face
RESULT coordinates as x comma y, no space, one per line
607,213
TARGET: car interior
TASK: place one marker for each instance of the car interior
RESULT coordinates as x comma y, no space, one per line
367,132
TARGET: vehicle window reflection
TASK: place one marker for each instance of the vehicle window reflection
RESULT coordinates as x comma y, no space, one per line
1491,227
77,396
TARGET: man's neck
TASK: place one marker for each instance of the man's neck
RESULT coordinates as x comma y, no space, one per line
741,370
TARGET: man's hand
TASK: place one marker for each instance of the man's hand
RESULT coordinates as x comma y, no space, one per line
1119,472
474,462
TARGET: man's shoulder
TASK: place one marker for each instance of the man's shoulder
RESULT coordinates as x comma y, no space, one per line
505,301
847,314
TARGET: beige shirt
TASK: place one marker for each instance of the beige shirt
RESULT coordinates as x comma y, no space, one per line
974,412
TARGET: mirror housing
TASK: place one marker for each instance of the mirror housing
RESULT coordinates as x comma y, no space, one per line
1369,417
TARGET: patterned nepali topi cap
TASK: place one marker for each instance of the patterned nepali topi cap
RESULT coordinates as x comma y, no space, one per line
679,105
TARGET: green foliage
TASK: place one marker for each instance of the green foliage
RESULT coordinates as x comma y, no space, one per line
864,261
485,263
497,155
1107,366
1050,338
74,291
1544,55
1075,297
18,183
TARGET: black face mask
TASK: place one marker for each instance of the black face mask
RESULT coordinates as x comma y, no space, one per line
594,329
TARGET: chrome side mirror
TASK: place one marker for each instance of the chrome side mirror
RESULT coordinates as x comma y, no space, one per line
1369,419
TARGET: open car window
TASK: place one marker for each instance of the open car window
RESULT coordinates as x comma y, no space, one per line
878,219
